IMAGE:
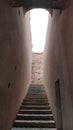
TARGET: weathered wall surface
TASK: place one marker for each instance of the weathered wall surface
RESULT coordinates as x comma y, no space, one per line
15,61
58,60
37,68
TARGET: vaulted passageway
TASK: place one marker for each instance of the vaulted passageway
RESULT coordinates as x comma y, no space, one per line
15,59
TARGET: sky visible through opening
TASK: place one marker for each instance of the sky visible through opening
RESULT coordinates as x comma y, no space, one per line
38,22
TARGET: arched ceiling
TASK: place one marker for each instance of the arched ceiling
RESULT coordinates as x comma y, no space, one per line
30,4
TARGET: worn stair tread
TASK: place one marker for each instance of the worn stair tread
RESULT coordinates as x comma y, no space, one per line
34,99
34,107
36,102
40,97
34,125
35,111
35,115
35,121
36,96
22,111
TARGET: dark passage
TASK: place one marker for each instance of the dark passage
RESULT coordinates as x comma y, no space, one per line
35,111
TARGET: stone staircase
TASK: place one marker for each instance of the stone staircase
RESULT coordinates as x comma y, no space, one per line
35,111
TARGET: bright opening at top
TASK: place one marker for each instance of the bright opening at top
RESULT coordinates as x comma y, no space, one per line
38,22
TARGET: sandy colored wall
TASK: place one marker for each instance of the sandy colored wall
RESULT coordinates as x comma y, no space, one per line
15,62
37,68
58,64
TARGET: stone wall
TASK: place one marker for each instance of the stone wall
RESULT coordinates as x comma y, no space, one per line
58,66
37,68
15,61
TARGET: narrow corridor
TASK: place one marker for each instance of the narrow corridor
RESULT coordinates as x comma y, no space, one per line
35,111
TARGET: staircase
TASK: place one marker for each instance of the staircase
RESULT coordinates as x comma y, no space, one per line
35,111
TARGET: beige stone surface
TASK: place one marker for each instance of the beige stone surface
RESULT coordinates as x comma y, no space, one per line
15,61
37,68
59,64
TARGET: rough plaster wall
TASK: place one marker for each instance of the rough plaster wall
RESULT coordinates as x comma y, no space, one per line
37,68
51,67
59,63
66,34
15,60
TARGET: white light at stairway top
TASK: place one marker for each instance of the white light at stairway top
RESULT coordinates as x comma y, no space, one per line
38,22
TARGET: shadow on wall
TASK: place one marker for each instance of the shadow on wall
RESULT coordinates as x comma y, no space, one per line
15,61
58,64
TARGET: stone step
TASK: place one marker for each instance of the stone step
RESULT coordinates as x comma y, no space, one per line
37,101
34,107
34,103
33,111
33,94
36,91
34,124
34,117
36,96
36,88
